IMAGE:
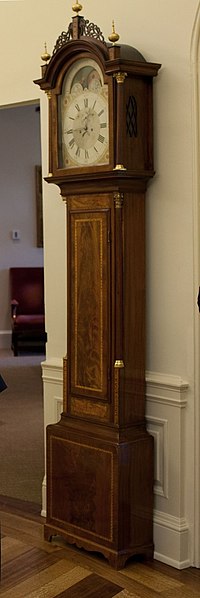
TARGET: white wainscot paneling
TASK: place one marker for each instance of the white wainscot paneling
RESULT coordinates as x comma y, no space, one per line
166,401
52,375
158,428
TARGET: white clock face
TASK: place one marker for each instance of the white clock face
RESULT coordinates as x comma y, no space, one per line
85,126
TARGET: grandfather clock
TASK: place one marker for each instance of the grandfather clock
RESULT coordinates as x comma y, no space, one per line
100,455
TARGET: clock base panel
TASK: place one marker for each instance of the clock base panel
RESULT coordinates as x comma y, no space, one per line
99,491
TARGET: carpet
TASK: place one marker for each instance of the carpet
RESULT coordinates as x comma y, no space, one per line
21,428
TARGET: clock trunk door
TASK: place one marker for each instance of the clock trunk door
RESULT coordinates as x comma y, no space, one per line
89,297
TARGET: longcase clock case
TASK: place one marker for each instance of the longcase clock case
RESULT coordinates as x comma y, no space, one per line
100,455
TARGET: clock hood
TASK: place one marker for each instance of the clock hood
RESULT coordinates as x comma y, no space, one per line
128,52
85,37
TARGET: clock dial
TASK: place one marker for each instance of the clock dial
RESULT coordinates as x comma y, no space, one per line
85,119
86,128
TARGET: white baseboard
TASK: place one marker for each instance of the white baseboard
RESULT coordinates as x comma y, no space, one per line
171,562
166,403
171,539
52,375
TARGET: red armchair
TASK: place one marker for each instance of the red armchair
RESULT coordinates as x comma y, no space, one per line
27,308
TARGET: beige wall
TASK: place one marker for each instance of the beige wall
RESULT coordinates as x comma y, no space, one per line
162,31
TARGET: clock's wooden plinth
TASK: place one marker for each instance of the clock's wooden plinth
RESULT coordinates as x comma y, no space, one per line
100,489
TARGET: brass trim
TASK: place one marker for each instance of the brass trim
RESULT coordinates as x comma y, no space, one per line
113,37
119,363
48,93
120,77
119,167
118,200
77,7
45,56
50,174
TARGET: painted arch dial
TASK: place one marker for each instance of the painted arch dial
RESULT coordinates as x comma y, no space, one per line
84,116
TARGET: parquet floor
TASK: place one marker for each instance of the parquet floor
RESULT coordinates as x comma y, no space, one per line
33,568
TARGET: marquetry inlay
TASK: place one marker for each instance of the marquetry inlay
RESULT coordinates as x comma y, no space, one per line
78,490
116,395
65,398
89,408
92,379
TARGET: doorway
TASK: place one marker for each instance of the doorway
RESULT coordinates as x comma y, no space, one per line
20,155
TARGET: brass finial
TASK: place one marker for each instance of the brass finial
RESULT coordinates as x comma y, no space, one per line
113,37
46,56
77,7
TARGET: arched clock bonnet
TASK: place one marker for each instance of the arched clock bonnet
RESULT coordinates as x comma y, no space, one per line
126,85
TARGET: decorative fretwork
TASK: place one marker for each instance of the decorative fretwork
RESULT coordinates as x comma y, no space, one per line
92,30
131,117
85,28
63,38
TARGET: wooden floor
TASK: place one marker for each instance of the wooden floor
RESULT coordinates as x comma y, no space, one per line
37,569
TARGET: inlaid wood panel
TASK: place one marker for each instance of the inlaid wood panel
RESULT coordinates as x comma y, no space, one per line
89,289
76,493
83,495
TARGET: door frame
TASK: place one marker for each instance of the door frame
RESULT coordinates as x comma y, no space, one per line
195,78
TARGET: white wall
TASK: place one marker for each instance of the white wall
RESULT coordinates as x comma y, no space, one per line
20,152
162,31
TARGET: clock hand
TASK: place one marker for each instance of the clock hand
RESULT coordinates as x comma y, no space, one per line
89,123
80,127
85,131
